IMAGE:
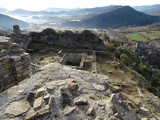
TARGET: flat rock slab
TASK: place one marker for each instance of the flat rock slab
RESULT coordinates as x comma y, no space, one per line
17,108
68,110
38,102
98,87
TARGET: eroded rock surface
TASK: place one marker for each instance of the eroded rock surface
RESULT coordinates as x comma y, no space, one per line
17,108
62,93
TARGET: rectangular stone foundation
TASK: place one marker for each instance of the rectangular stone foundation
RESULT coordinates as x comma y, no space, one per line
14,67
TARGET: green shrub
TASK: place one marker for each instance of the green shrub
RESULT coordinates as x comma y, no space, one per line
133,61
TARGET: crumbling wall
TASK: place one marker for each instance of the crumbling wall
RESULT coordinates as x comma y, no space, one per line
14,64
22,39
86,39
21,66
6,76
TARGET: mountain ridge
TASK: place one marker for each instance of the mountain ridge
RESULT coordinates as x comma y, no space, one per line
8,22
149,9
123,16
112,16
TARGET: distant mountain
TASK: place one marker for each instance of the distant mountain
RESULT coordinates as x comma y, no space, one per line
101,17
2,10
22,12
43,14
8,22
149,9
123,16
57,15
96,10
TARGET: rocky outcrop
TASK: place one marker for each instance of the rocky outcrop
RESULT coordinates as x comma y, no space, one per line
86,39
14,63
60,92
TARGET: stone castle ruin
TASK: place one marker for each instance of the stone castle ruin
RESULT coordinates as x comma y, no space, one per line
15,64
60,92
86,39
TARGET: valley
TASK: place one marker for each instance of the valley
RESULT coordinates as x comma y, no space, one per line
113,16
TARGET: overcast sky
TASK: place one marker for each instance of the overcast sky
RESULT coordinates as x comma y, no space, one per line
43,4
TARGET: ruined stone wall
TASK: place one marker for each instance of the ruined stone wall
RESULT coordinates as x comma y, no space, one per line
86,39
14,64
6,77
21,66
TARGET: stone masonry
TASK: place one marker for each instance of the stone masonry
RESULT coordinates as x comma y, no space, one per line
85,39
14,63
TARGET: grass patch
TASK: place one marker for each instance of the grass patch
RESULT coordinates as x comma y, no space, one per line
144,36
137,37
154,35
116,71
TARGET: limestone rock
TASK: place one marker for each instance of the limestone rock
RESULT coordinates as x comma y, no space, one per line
144,111
38,103
121,106
112,118
15,58
103,77
101,103
115,89
40,92
31,114
50,100
68,110
17,107
73,86
90,111
99,118
43,112
94,97
98,87
81,101
136,101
